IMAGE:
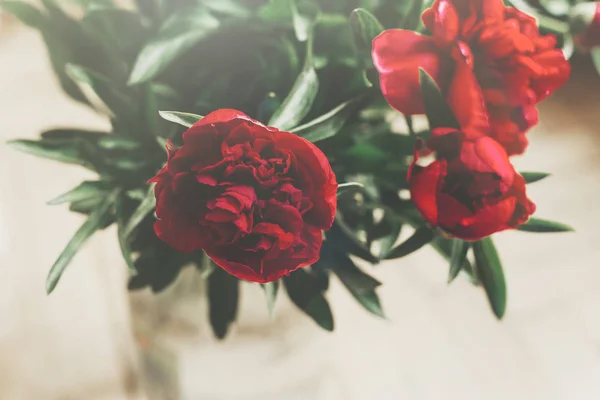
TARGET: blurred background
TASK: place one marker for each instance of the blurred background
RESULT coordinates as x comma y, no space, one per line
439,341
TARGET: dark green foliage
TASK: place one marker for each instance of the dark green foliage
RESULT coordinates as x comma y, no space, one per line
301,65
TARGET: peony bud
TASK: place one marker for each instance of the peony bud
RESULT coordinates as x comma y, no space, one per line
584,21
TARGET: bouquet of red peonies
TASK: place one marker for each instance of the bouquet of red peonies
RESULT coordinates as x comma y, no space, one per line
303,138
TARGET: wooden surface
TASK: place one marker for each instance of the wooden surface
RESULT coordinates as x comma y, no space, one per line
440,342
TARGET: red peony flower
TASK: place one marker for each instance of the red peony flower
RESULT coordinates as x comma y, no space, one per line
254,198
514,65
468,203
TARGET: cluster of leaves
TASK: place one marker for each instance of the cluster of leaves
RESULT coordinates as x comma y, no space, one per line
300,65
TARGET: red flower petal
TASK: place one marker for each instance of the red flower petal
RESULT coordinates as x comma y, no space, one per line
443,21
314,171
466,100
398,54
487,155
424,186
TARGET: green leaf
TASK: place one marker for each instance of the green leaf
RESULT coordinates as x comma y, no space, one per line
223,294
26,13
178,35
458,256
302,23
595,53
365,28
268,106
444,247
146,206
412,18
271,290
437,109
227,7
342,238
351,275
86,190
181,118
420,238
544,226
349,187
387,243
70,134
305,294
276,11
121,233
157,266
395,144
114,142
489,270
101,93
301,97
91,225
359,284
531,177
119,29
64,150
327,125
365,157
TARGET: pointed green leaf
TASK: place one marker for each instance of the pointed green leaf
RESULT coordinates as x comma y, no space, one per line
387,243
444,247
205,265
122,31
327,125
595,53
181,118
306,295
531,177
489,270
299,101
223,295
412,18
437,109
359,284
365,28
271,290
101,93
26,13
365,157
343,238
227,7
350,187
178,35
370,301
302,23
86,190
114,142
458,256
64,150
351,275
544,226
121,234
91,225
146,206
157,266
420,238
70,134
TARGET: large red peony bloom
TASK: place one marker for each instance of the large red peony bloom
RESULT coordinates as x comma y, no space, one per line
254,198
468,203
514,65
